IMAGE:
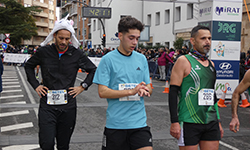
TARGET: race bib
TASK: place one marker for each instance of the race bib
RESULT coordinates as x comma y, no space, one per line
206,97
57,97
129,86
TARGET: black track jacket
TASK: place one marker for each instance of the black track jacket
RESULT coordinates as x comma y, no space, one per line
58,73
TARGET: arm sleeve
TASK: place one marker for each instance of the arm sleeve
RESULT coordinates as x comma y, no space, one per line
173,102
29,69
86,64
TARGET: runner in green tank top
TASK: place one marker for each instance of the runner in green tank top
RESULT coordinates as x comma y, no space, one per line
193,77
190,110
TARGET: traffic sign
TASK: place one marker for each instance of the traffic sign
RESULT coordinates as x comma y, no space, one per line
4,45
7,40
7,35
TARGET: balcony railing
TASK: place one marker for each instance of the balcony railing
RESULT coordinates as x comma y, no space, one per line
41,14
41,24
37,3
42,33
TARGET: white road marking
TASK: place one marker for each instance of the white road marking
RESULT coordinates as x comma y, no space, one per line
16,126
21,112
30,96
4,80
6,83
12,96
79,79
12,86
9,77
10,91
11,103
21,147
228,146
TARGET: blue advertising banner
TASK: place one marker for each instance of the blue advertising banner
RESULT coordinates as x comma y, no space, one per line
227,31
226,69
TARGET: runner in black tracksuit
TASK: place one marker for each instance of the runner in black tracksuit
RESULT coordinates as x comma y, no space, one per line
58,73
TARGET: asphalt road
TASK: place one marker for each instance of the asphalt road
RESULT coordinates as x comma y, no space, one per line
19,105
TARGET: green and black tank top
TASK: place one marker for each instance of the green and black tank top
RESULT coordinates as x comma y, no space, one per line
199,78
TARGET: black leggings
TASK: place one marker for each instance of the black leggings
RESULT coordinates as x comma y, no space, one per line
56,123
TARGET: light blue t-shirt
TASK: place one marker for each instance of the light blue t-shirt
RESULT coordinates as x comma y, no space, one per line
114,69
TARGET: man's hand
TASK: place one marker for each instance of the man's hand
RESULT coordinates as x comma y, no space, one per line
221,130
75,90
41,90
175,130
234,124
141,89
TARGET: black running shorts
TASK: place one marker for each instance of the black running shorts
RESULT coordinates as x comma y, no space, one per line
126,139
192,133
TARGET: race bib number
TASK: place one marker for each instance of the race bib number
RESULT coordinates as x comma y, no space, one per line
57,97
129,86
206,97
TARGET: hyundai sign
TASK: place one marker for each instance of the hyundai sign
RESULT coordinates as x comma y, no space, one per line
227,69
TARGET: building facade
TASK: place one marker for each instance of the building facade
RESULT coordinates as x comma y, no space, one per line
74,9
245,27
159,16
45,20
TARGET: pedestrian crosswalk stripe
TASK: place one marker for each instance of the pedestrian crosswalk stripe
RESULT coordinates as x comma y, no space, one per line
4,80
9,91
13,113
12,96
21,147
10,83
8,77
16,126
11,103
11,86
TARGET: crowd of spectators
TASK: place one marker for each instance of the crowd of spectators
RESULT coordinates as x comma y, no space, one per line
154,57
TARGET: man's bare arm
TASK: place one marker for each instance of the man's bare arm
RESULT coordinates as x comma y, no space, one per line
244,84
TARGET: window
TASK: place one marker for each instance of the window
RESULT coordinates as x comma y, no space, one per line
42,1
26,5
94,25
157,18
167,16
51,2
190,11
149,19
158,44
177,14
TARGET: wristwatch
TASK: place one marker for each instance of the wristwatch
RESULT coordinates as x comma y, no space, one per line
84,85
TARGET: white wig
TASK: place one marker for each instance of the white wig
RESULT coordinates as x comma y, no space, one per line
59,25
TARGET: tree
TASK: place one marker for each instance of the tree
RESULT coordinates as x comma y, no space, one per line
178,43
18,21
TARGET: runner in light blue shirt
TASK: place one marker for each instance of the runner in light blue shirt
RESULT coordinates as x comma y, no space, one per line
123,79
116,68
